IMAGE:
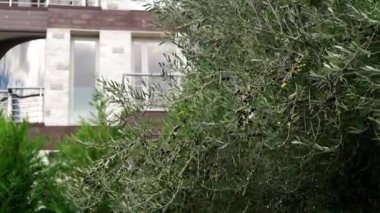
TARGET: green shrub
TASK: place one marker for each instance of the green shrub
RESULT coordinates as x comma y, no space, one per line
20,168
82,149
27,183
279,112
88,143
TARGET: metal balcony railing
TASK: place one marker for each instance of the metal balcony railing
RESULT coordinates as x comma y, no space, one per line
23,103
47,3
152,88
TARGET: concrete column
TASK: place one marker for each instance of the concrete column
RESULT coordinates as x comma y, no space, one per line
114,54
114,58
57,77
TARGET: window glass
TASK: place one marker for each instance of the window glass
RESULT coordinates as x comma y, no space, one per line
148,56
156,56
137,57
135,4
83,86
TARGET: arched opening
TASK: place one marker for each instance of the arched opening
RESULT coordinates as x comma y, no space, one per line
23,65
22,71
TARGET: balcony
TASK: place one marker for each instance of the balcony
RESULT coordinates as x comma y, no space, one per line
150,90
22,103
47,3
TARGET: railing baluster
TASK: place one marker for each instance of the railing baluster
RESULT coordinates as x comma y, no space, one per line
24,103
10,106
41,104
47,3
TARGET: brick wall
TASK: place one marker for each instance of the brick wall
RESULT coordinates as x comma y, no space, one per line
22,19
37,20
94,19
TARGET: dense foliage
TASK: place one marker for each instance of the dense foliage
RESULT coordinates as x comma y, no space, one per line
279,111
21,168
77,152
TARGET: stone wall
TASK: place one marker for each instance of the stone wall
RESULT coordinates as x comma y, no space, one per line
114,57
114,60
114,54
57,77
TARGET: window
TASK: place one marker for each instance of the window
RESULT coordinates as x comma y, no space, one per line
83,79
148,76
133,4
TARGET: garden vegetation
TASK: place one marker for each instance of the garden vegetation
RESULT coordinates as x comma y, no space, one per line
278,111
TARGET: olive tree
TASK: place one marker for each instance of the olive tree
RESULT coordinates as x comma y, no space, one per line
278,111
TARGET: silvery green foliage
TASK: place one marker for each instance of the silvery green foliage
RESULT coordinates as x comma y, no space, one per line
279,111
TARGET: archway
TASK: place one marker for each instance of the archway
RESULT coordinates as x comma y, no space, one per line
22,70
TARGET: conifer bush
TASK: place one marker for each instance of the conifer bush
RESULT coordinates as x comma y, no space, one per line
21,168
27,182
279,112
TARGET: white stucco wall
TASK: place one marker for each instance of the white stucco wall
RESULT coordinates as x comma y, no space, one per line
124,4
57,77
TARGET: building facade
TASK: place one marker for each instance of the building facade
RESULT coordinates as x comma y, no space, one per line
53,51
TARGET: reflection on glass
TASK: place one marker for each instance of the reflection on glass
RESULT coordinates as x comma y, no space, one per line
136,56
156,56
23,65
135,4
147,56
83,86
